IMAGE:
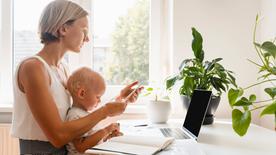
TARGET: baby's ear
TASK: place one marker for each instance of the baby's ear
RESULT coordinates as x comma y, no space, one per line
81,93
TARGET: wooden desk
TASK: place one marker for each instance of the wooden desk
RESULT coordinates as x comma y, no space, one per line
220,139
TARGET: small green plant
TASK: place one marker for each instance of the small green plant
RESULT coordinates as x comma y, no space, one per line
156,93
243,106
196,73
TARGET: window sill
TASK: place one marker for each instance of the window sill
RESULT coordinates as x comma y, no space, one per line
6,108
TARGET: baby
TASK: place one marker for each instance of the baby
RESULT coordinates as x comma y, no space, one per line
86,88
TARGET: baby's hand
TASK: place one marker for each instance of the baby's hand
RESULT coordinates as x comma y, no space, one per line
113,130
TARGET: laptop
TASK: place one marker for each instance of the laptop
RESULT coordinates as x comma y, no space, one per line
194,117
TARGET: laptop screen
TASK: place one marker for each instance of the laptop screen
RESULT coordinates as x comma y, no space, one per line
196,111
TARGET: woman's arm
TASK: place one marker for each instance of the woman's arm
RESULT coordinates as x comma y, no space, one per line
34,81
83,143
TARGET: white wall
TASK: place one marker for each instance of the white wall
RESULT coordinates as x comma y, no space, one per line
227,30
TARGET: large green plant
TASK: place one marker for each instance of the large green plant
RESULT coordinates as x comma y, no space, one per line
196,73
242,105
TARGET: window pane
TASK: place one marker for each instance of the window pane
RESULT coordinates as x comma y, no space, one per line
121,40
26,39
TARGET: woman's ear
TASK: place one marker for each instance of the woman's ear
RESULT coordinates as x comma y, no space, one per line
62,30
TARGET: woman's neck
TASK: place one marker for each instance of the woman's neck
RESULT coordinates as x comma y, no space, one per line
52,53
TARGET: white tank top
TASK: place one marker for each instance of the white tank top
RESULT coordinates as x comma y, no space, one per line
24,126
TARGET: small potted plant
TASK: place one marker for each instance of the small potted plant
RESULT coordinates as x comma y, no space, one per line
159,107
242,105
195,73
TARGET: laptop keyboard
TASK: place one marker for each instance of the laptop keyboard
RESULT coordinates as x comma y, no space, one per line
177,133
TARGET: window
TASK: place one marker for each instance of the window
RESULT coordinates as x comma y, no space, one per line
121,43
26,41
121,40
118,34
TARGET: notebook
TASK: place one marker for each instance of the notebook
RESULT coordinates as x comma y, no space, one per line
194,117
139,145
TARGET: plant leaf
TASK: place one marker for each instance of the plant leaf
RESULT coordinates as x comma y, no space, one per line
270,48
170,82
271,109
271,91
188,83
241,121
187,87
273,70
149,89
217,84
233,94
252,98
211,65
243,102
233,80
184,63
147,94
197,45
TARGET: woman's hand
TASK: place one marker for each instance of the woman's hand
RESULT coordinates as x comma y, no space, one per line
127,90
114,108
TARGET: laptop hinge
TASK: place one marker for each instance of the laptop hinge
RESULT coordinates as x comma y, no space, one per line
190,134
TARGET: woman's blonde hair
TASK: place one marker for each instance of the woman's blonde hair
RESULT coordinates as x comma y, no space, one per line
56,14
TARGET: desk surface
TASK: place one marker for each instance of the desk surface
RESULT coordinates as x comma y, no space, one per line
219,138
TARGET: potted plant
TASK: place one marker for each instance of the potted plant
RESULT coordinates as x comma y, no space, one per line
159,107
243,106
195,73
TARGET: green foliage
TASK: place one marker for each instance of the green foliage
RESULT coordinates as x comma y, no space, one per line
270,109
157,93
130,47
271,91
196,73
241,120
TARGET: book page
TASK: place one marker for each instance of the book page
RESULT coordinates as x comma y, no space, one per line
117,147
158,142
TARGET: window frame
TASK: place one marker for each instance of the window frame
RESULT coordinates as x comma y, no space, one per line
84,58
6,50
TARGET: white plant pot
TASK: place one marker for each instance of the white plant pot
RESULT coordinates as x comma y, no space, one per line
158,111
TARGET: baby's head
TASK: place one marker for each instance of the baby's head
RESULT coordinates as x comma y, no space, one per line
86,87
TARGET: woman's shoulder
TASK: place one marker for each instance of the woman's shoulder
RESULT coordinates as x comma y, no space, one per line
32,68
31,65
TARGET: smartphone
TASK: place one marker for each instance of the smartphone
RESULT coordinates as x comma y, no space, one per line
134,90
139,85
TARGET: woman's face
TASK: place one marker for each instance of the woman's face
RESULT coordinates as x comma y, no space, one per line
76,35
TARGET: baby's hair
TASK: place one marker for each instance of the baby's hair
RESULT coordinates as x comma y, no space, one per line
82,78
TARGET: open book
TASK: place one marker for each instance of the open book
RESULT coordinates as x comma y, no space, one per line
139,145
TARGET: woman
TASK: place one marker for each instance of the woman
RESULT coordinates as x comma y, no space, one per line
41,99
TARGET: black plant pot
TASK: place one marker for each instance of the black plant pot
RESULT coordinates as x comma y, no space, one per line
210,114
